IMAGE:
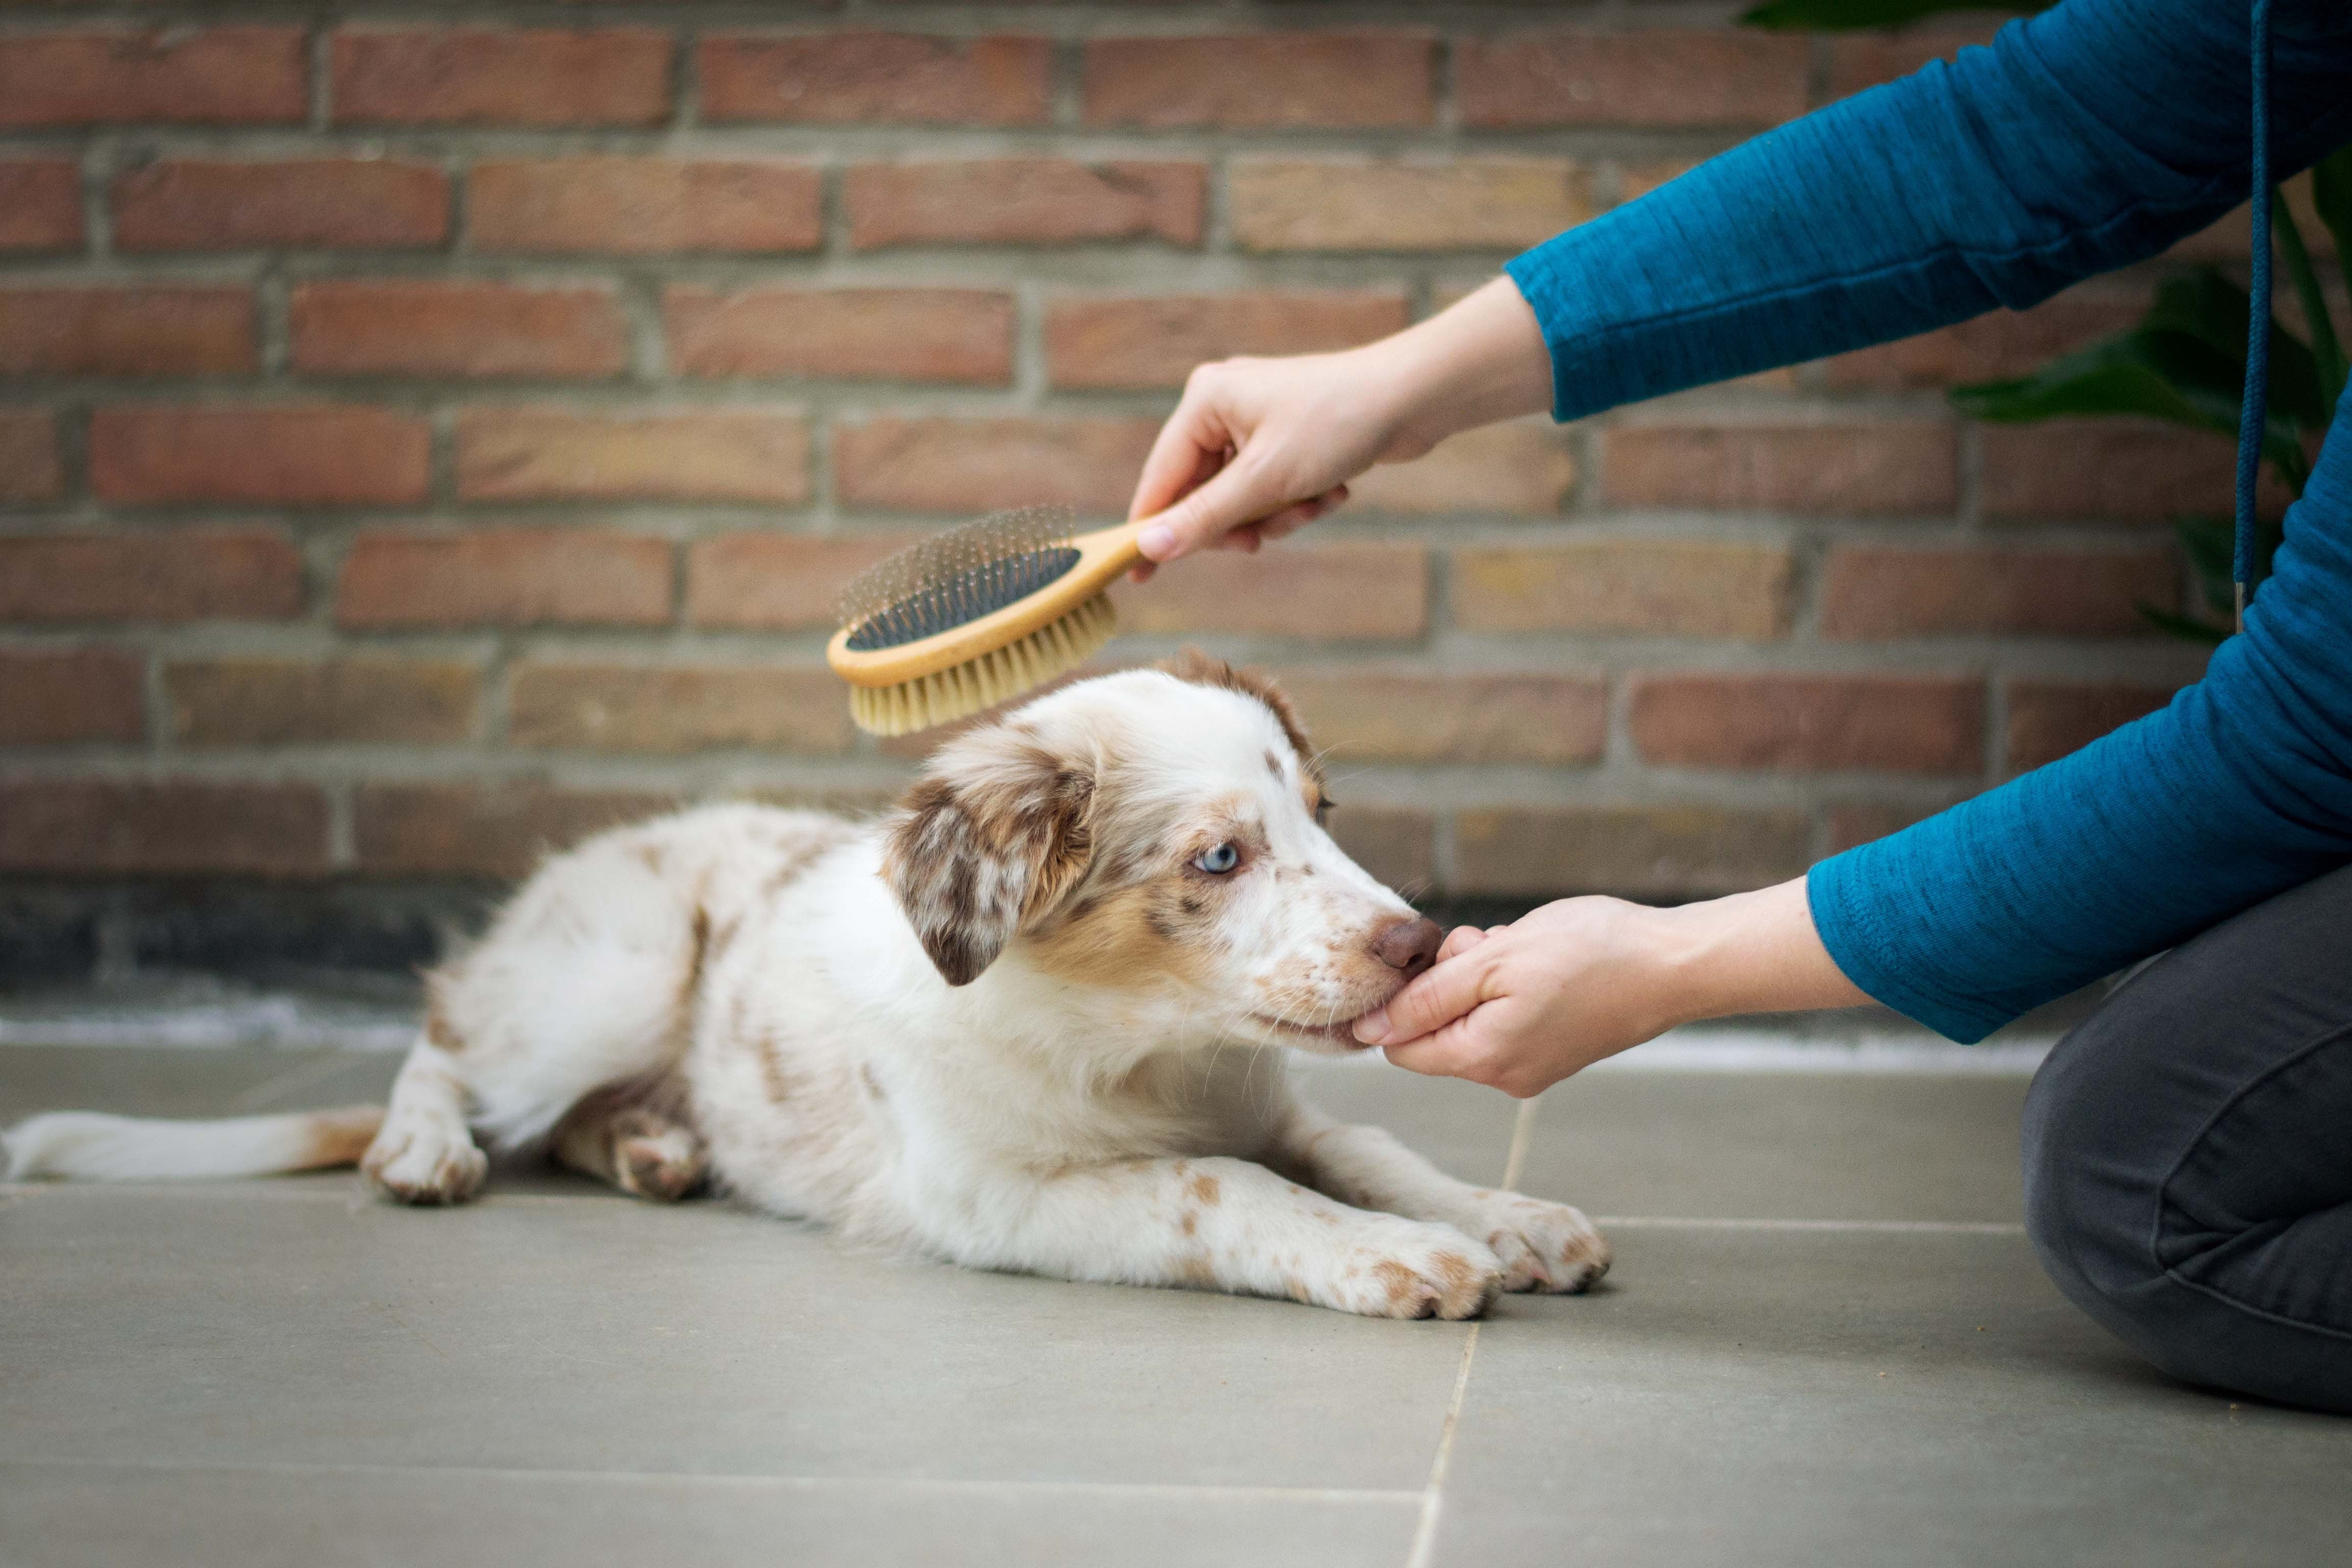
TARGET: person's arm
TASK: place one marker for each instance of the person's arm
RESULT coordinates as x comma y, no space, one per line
2083,139
2239,790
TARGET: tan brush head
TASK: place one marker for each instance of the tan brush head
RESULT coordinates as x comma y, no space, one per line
976,616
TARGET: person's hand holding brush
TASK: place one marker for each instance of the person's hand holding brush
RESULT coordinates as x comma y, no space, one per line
1260,447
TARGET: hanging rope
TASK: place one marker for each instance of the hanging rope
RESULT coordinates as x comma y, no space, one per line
2253,417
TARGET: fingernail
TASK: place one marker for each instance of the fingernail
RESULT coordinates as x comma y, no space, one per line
1158,540
1373,1026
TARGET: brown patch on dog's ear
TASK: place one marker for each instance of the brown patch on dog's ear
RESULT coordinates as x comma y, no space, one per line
1206,669
992,836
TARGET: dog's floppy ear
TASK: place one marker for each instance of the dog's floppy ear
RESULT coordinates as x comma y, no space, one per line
998,828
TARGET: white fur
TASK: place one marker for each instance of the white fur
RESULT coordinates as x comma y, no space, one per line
740,992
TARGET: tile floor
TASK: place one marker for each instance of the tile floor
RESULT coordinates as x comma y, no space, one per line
1825,1342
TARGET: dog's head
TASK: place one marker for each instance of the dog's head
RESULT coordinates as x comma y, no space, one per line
1157,834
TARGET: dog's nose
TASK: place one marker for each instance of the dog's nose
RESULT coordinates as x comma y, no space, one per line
1409,945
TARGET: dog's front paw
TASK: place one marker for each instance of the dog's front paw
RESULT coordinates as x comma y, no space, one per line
423,1162
1543,1247
1410,1270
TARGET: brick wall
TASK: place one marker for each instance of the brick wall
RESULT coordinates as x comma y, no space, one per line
425,436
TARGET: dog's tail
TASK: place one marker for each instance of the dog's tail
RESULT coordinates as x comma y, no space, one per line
84,1145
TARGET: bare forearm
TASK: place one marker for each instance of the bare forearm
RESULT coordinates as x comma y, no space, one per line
1481,360
1750,952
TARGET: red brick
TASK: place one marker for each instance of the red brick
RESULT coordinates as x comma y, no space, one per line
676,709
285,702
962,335
777,582
30,469
1996,346
1022,201
1860,823
1872,592
501,76
1638,179
1262,80
555,454
1897,723
432,326
504,576
1643,852
1626,587
1411,716
40,205
1650,77
1136,343
1888,467
328,203
1397,845
644,206
189,76
2048,718
2102,470
179,827
977,464
1858,60
1523,467
1350,593
181,574
1472,203
139,331
856,78
490,830
56,696
310,454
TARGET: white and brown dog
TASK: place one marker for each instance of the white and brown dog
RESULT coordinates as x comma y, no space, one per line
994,1026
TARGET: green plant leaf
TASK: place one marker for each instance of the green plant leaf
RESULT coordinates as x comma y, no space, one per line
2326,355
2207,309
2331,193
1844,16
2120,375
2183,627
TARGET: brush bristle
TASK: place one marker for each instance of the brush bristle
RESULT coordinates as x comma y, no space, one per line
954,578
996,677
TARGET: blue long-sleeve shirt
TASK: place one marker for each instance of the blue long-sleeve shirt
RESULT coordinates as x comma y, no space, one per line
2086,138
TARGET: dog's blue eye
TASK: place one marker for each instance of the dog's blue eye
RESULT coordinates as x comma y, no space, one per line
1218,861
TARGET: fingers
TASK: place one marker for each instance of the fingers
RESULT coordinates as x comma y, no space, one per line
1436,998
1444,1052
1228,500
1459,941
1187,448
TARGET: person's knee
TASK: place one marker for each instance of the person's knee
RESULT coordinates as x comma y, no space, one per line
2092,1188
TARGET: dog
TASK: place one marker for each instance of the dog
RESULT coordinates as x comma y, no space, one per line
1016,1024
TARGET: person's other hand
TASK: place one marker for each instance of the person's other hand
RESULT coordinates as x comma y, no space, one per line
1519,1008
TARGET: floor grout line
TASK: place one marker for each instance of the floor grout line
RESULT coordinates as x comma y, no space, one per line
1424,1535
1202,1490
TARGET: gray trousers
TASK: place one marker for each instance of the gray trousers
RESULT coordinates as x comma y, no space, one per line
2189,1154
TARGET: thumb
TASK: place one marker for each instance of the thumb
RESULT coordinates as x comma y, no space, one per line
1438,997
1201,518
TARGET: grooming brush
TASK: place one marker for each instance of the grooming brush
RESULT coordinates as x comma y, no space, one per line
976,616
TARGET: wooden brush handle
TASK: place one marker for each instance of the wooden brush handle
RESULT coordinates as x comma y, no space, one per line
1102,556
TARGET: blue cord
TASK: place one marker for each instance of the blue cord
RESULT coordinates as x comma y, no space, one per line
2253,417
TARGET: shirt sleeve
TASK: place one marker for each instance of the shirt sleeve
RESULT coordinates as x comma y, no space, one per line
2239,789
2080,140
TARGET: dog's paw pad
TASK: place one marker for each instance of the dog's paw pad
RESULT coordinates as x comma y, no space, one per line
1429,1271
1545,1246
427,1164
664,1167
